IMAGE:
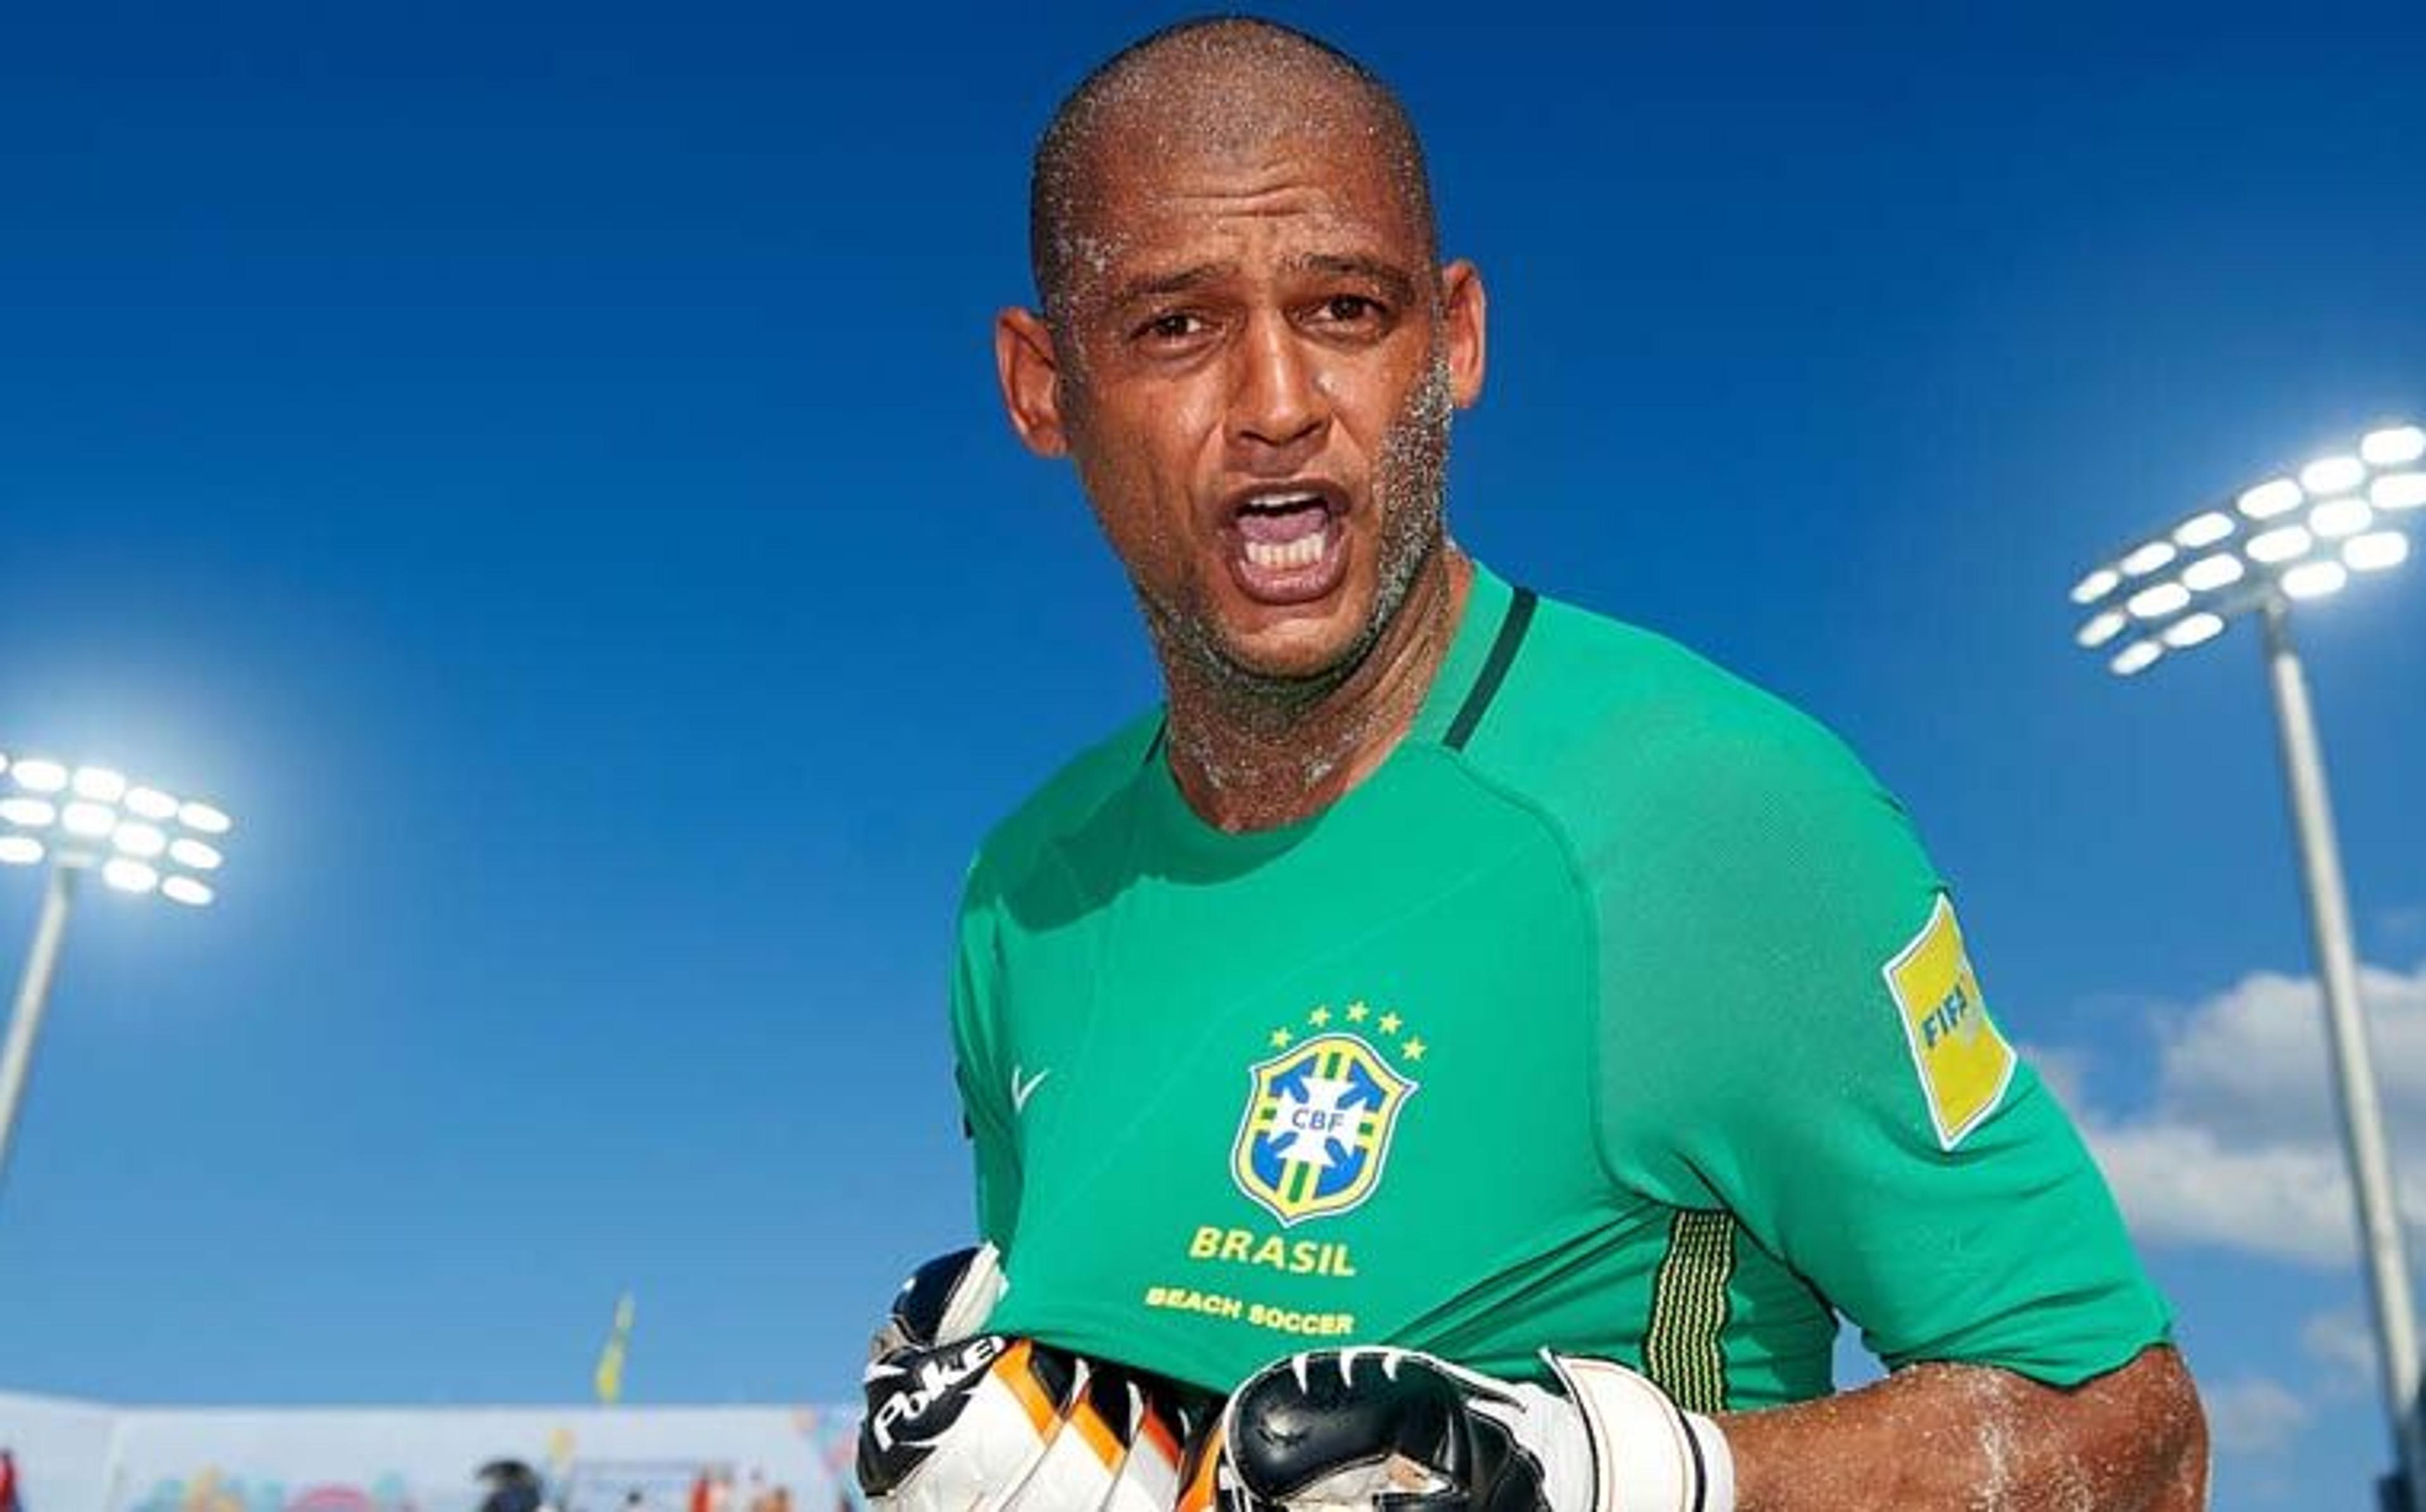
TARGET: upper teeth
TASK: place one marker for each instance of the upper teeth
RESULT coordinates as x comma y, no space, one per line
1281,501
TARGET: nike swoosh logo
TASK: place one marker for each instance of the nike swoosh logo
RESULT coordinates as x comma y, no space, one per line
1021,1090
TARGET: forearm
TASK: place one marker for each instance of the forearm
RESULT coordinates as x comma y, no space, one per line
1973,1437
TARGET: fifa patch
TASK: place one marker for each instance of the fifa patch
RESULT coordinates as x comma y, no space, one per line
1317,1129
1965,1064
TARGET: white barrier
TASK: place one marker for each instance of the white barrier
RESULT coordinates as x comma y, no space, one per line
76,1456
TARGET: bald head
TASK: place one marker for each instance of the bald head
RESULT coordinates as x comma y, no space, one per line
1225,86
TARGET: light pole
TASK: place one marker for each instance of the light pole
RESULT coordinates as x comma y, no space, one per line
78,820
2283,541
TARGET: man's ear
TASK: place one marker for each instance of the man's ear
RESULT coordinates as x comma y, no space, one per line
1030,378
1463,329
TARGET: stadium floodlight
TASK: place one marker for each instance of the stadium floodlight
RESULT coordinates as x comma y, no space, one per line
2160,601
2136,658
2284,543
2314,580
2330,475
2373,553
2102,627
2208,573
2392,445
2271,498
2337,518
2095,585
2143,560
82,819
2360,504
40,774
2191,629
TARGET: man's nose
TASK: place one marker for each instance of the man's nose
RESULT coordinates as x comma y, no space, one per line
1277,403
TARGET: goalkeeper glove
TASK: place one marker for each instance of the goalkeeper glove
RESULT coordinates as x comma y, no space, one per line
1358,1430
959,1420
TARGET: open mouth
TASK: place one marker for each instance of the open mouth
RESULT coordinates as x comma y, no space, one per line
1287,543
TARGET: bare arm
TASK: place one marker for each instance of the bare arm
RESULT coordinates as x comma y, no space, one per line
1970,1436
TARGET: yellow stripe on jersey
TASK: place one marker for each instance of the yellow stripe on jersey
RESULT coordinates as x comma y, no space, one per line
1688,1312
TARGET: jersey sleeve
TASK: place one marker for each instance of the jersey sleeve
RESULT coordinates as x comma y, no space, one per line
980,1069
1792,1023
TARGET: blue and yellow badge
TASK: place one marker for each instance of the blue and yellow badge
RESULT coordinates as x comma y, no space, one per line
1319,1119
1965,1064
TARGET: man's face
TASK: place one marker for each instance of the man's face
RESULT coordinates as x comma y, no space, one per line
1256,363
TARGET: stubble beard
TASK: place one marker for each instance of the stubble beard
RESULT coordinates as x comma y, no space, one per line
1409,495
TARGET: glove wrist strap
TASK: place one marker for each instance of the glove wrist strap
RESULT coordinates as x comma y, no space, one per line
1648,1454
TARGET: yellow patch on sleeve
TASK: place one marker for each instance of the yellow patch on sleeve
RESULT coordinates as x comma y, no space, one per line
1965,1064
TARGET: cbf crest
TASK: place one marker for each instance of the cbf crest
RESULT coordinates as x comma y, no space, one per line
1316,1129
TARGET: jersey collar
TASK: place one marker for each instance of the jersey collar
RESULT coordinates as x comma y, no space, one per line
1468,674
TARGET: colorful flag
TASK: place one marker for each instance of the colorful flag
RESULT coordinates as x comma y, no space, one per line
609,1376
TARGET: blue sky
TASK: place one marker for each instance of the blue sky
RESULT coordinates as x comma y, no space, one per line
537,467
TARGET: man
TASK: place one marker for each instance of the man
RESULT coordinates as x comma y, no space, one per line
1451,968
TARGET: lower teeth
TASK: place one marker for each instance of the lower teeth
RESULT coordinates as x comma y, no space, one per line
1270,554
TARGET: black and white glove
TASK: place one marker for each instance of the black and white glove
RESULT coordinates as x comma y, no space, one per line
962,1421
945,1300
1377,1430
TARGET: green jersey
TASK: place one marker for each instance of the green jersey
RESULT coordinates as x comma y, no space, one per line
1617,1012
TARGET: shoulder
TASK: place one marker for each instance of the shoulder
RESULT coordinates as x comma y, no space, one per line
1610,726
1061,807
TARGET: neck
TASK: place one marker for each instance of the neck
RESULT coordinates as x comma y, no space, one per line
1254,757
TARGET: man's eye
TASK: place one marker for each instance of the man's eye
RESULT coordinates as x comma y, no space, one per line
1177,325
1349,308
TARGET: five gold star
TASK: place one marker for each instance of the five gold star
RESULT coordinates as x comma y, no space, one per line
1412,1047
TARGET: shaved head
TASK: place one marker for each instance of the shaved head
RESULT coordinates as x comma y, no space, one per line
1249,345
1225,86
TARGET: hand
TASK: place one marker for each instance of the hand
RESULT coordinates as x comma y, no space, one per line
998,1422
944,1301
1360,1430
958,1426
959,1421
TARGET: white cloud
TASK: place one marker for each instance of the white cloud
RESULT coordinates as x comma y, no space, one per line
2253,1416
2066,1071
2240,1146
2256,1055
2178,1183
